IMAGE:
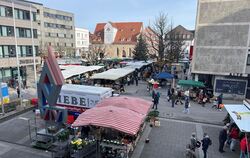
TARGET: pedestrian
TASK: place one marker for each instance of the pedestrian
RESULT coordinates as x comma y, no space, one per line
156,100
173,96
178,98
136,81
222,139
186,106
244,147
219,98
189,153
169,94
193,141
122,90
206,141
234,135
204,100
18,92
128,80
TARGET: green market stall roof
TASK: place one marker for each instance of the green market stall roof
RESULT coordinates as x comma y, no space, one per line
191,83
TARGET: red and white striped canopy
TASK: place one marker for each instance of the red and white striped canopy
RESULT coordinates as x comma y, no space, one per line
138,105
118,118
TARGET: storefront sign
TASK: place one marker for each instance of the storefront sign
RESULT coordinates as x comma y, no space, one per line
86,100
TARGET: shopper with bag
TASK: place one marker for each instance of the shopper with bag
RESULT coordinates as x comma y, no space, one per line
206,142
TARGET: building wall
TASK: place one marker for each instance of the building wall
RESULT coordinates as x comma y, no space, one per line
82,39
16,39
222,37
116,50
61,39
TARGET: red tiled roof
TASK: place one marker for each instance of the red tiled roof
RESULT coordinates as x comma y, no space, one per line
127,32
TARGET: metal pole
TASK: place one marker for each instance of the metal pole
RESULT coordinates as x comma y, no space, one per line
17,55
33,47
29,129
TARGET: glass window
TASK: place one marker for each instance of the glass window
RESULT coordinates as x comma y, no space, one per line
5,51
28,33
36,51
1,52
2,11
8,12
12,51
20,14
188,36
34,33
248,59
19,50
34,16
23,54
10,31
16,12
4,31
7,73
29,51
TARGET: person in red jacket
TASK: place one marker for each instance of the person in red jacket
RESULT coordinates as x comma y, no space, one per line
244,147
234,135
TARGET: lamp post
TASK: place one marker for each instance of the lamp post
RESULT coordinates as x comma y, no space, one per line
17,55
33,47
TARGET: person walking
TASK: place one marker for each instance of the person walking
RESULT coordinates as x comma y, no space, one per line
18,92
136,81
189,153
222,139
186,106
234,135
156,100
244,147
219,98
193,141
173,97
178,98
206,142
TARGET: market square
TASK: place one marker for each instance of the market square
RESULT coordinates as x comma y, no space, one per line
125,79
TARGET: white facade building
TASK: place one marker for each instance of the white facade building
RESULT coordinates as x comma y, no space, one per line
82,40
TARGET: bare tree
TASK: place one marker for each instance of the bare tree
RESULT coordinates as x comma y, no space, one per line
96,53
161,28
174,43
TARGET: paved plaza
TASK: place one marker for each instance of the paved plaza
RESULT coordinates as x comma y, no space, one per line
167,141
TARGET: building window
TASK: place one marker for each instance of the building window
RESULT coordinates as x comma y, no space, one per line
188,36
184,36
65,44
25,32
6,31
78,34
34,16
117,52
34,33
248,59
72,44
22,14
123,53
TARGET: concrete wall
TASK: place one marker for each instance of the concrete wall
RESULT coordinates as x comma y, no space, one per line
222,37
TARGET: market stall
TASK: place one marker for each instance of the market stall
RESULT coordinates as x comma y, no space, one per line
71,71
113,74
240,113
116,124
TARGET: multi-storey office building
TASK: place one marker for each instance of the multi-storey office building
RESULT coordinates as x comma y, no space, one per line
56,29
18,39
222,46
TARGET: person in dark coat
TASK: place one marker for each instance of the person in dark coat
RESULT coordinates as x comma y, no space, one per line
222,139
156,100
206,141
18,92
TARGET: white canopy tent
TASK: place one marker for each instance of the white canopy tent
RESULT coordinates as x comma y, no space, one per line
138,64
77,70
113,74
240,113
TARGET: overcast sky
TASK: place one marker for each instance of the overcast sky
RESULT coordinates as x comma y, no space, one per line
89,12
